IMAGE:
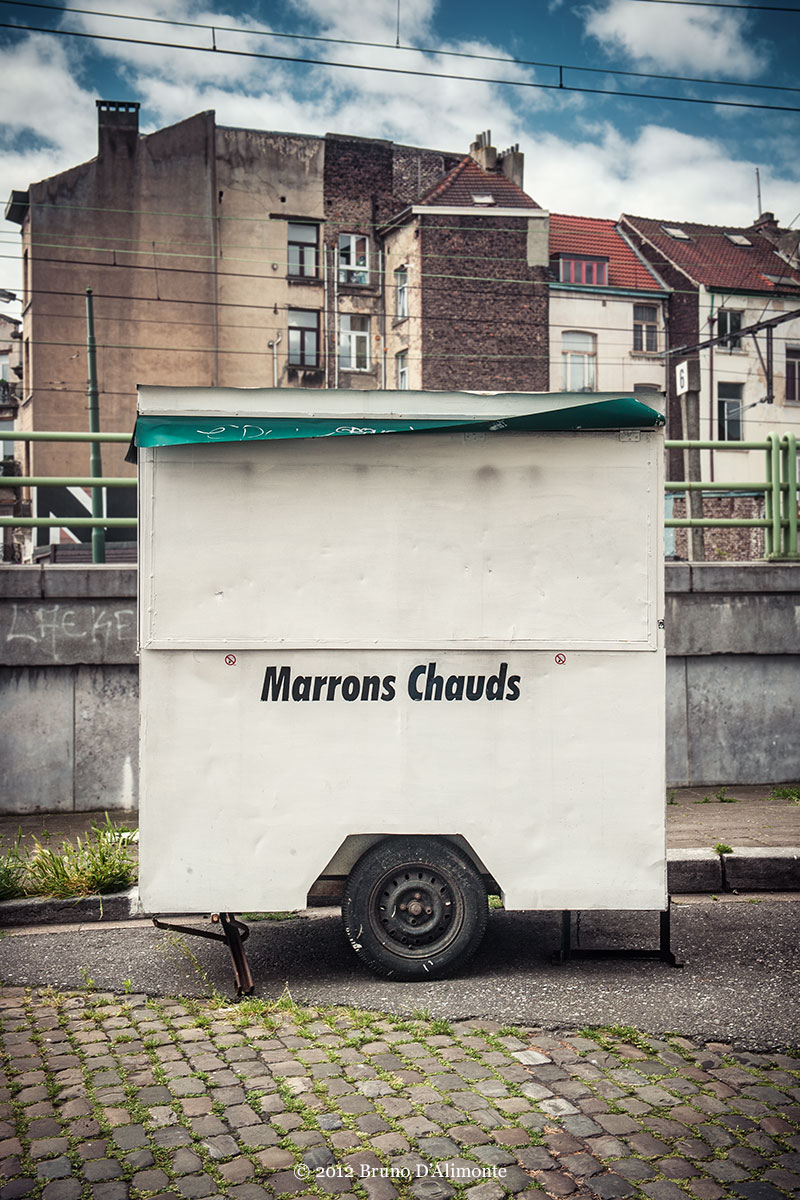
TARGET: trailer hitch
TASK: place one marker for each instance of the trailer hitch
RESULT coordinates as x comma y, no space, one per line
234,934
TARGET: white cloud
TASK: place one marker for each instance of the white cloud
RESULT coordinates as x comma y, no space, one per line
193,25
39,97
669,38
661,173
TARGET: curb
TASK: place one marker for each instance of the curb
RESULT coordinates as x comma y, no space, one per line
40,910
745,869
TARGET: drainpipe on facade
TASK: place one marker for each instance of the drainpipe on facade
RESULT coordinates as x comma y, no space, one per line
324,347
383,316
273,345
712,321
335,316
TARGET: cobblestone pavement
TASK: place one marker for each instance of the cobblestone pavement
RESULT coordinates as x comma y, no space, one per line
107,1097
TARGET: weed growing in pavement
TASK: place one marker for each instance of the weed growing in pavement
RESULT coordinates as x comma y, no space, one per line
100,863
12,872
789,791
88,982
271,916
608,1037
723,798
723,848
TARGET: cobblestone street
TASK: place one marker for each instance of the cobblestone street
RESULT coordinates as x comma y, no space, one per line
107,1097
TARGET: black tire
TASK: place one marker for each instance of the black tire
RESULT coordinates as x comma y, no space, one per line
414,908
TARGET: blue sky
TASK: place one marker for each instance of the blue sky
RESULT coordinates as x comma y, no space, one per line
592,154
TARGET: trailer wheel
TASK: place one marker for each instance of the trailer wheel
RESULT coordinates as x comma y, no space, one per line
414,908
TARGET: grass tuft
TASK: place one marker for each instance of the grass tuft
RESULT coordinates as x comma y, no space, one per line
100,863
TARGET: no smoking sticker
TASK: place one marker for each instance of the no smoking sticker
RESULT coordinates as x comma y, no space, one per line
560,659
230,660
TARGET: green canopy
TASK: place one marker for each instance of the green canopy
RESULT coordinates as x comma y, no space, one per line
619,413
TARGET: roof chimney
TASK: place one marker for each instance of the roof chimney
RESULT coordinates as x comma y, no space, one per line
512,163
765,223
483,151
117,127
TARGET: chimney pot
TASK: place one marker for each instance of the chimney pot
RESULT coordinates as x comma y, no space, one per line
117,127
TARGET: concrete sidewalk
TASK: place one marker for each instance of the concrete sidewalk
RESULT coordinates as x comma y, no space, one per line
761,827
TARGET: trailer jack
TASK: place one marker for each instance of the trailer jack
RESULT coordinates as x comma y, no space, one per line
664,951
234,934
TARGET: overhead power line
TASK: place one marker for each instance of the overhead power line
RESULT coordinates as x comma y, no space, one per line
439,52
561,86
722,4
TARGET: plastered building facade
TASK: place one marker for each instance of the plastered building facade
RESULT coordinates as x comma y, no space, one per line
237,257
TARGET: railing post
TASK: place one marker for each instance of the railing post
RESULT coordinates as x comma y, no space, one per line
95,462
789,493
772,497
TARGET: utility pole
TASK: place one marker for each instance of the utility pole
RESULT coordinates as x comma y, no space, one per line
687,379
95,463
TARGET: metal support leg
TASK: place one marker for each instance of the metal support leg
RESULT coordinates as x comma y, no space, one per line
664,952
234,934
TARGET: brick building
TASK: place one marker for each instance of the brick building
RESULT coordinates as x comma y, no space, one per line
238,257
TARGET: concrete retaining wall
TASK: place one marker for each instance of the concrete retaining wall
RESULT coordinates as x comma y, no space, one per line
69,681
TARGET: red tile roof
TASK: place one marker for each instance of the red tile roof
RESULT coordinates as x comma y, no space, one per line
594,235
709,257
467,180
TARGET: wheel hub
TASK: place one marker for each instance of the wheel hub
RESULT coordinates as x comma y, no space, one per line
415,907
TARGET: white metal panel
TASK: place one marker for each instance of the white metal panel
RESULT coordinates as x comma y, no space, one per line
457,540
559,791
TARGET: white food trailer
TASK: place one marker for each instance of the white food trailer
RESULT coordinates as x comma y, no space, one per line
399,648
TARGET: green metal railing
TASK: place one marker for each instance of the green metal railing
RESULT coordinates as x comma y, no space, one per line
779,488
95,482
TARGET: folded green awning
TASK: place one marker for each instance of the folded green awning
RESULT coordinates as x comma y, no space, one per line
621,413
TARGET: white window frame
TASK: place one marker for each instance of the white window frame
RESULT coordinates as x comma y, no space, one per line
730,427
353,254
401,293
354,342
401,364
645,329
579,358
724,323
307,248
302,322
792,375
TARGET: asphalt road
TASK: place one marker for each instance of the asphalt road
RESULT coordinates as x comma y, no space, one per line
741,980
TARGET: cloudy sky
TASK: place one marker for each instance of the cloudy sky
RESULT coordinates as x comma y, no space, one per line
591,147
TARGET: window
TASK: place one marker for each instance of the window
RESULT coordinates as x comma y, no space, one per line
792,376
401,361
354,343
579,357
729,322
645,328
303,338
401,293
582,269
675,231
302,249
729,412
353,258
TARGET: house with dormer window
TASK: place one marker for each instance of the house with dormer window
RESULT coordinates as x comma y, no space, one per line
724,280
607,310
